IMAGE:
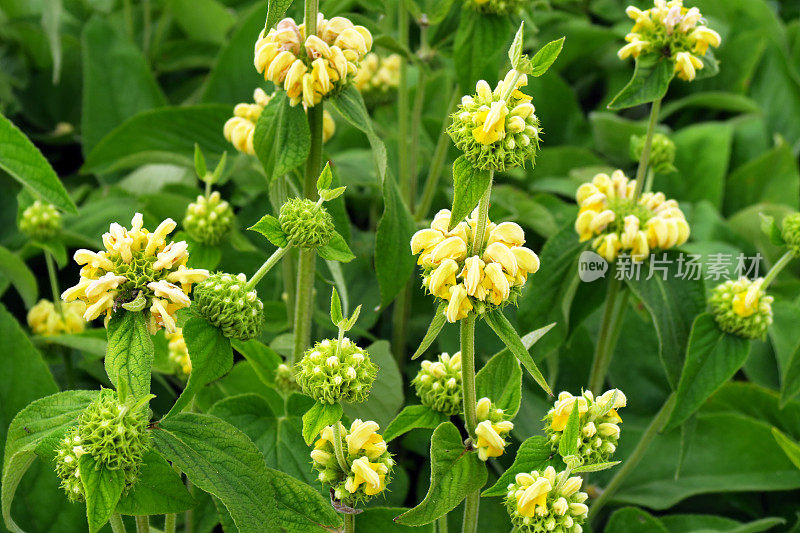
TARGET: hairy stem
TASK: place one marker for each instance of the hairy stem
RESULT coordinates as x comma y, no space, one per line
349,523
472,501
648,143
337,447
633,460
310,16
402,102
117,525
143,524
483,217
776,269
266,267
441,524
605,345
416,119
54,288
471,508
401,313
169,523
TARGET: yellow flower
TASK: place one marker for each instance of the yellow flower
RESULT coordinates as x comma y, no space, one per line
686,65
490,123
507,233
490,441
377,75
178,352
534,495
135,263
443,278
373,474
459,305
364,438
563,408
44,319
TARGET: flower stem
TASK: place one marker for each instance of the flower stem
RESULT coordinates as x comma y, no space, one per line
266,267
51,271
483,217
471,507
606,339
472,501
117,525
633,460
169,523
143,524
310,16
400,314
349,523
776,269
337,447
416,119
441,524
402,102
648,143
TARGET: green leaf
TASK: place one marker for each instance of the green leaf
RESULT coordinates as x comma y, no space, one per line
455,472
545,58
18,273
40,420
649,83
469,184
633,520
221,460
500,380
199,162
386,397
596,467
103,488
506,332
159,490
270,228
533,454
26,164
773,177
771,229
786,346
479,40
790,378
159,136
351,106
129,355
413,417
202,20
515,51
87,342
712,358
336,307
336,250
262,358
697,523
109,99
51,17
211,356
394,265
325,178
568,445
672,303
435,327
282,138
789,446
332,194
319,416
275,11
716,100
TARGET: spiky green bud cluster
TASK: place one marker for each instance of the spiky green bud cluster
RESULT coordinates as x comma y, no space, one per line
110,432
209,219
742,308
306,224
662,152
285,380
438,384
598,421
225,301
790,231
546,502
495,7
40,221
493,133
332,372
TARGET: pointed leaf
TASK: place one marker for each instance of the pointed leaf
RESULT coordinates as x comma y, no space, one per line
533,454
350,105
501,380
650,81
276,9
596,467
130,352
789,446
325,178
103,488
413,417
545,58
394,265
336,250
568,445
336,307
270,228
18,273
319,416
515,51
437,323
503,328
282,138
469,184
159,490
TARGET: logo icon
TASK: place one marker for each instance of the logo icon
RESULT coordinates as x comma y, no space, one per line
591,266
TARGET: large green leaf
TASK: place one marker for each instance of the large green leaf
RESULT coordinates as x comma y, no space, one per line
712,358
350,105
479,40
26,164
503,328
500,380
701,523
117,82
159,490
18,273
221,460
394,264
790,447
672,303
786,345
103,487
319,416
40,420
773,177
413,417
533,454
159,136
130,352
469,184
634,520
386,397
202,20
211,356
649,83
455,472
282,138
263,359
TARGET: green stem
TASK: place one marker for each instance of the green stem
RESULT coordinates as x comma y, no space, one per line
266,267
510,88
648,143
471,508
51,271
483,217
437,163
776,269
117,525
441,524
349,523
310,16
468,372
128,13
337,447
605,348
143,524
638,453
400,316
416,119
648,182
402,102
169,523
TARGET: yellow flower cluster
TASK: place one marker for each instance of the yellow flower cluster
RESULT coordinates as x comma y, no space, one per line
240,128
311,67
546,501
669,26
178,352
139,269
742,307
45,319
378,74
610,214
491,430
364,451
470,281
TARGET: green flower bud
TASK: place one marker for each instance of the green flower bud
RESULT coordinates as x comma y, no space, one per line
495,134
598,422
224,300
112,434
546,501
495,7
40,221
662,152
791,232
285,380
438,384
209,219
332,373
306,224
742,308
